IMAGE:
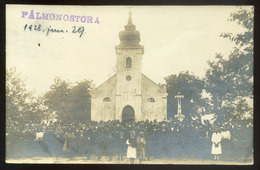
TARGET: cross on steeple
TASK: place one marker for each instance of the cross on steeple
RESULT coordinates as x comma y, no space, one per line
130,12
130,17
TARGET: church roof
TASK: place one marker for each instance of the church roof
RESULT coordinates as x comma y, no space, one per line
130,37
161,89
104,84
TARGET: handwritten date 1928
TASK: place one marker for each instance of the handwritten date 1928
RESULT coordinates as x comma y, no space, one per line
33,27
79,30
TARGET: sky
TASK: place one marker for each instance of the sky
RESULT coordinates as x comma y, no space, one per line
175,39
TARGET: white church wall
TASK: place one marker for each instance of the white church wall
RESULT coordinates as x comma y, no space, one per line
100,109
153,110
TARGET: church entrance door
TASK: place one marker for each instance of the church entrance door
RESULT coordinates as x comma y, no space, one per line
128,114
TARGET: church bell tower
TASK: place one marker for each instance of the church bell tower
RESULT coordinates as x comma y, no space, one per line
129,73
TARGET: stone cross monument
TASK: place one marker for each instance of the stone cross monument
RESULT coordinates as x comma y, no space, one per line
179,116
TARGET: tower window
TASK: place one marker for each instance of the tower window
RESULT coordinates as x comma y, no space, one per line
151,100
128,78
106,99
128,62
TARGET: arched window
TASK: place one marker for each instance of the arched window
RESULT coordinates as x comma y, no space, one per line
128,62
106,99
151,100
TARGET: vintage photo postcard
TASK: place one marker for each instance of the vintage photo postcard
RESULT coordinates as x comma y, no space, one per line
129,84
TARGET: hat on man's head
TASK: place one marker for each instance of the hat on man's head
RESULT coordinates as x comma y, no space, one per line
132,133
141,134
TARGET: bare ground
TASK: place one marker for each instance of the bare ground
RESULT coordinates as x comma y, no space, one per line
104,160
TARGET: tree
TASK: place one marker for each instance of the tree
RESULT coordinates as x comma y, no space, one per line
21,106
57,98
230,81
22,109
70,103
81,100
191,87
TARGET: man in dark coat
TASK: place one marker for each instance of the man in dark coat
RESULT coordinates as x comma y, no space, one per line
81,143
89,144
141,147
120,145
72,143
100,148
59,141
109,146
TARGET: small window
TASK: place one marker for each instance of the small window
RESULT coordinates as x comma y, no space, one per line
151,100
128,78
106,99
128,62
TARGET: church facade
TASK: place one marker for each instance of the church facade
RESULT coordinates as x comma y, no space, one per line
129,94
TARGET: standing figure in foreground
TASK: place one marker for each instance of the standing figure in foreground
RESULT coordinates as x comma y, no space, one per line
131,150
226,143
216,149
72,144
40,139
120,143
141,143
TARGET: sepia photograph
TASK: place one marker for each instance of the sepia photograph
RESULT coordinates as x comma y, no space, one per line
129,84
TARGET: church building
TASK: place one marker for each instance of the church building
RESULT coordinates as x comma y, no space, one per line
129,94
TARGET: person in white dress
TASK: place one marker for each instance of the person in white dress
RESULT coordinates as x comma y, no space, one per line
131,150
216,149
226,143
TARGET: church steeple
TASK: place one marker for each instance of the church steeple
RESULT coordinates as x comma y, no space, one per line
130,37
130,26
130,18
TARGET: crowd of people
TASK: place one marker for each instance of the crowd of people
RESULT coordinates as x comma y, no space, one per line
143,140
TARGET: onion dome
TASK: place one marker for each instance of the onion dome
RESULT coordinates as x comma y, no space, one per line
129,37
